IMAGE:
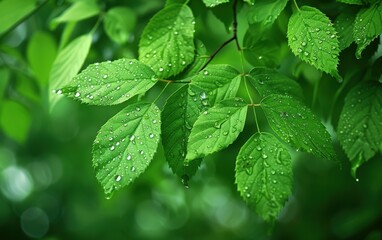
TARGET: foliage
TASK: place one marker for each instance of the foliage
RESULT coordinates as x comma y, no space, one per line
207,102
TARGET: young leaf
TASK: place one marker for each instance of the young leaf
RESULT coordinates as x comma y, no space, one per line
125,145
312,37
41,58
360,123
268,81
216,128
118,23
264,175
199,60
167,42
178,117
367,26
111,82
12,11
218,81
297,125
265,11
79,10
67,64
355,2
264,52
213,3
344,27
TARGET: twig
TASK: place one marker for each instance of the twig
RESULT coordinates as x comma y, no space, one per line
233,38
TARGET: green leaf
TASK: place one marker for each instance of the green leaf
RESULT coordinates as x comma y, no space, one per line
216,128
265,11
199,61
367,26
262,53
219,82
360,124
12,11
268,81
168,2
312,37
355,2
111,82
213,3
41,58
76,12
167,42
344,27
297,125
118,23
179,115
125,145
67,64
251,2
15,120
264,175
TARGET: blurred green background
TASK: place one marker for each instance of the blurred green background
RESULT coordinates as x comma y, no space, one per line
48,186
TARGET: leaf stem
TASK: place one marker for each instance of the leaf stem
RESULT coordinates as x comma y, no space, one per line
337,95
295,4
99,20
233,38
253,105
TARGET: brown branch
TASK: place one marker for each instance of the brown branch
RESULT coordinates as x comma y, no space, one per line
233,38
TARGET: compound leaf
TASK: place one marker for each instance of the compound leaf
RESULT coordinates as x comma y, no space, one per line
219,82
118,23
360,124
312,37
367,26
264,175
216,128
125,145
268,81
167,42
178,117
111,82
67,64
297,125
213,3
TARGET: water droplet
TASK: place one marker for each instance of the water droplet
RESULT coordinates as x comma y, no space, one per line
151,135
205,72
273,172
274,181
264,156
128,157
161,69
299,50
132,138
112,148
225,133
133,169
59,91
303,44
306,53
118,178
183,62
105,76
77,94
